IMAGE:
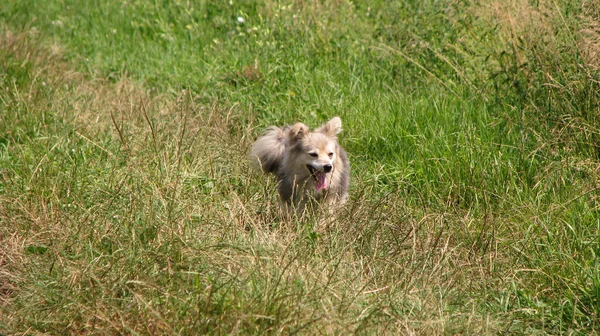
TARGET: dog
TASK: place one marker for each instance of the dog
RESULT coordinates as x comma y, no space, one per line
309,166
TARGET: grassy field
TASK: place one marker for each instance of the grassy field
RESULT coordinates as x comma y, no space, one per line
127,205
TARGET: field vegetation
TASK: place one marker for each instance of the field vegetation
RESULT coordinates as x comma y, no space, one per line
127,205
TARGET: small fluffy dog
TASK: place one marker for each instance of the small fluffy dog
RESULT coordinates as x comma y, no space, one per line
308,165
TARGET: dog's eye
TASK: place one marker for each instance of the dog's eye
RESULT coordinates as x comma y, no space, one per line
331,154
313,154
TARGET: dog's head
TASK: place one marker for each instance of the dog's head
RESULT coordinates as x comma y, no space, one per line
317,150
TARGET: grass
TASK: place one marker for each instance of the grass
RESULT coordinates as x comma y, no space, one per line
127,205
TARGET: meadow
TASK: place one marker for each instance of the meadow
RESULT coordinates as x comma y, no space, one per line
127,204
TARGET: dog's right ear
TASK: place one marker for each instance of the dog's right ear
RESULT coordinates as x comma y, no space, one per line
298,132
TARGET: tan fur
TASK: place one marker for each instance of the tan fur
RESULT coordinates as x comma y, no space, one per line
304,161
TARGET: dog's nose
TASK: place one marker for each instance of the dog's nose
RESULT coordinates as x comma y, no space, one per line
327,168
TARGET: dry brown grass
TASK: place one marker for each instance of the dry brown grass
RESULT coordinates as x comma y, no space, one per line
590,36
520,24
542,26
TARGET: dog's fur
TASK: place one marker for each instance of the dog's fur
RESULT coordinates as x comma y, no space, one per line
308,165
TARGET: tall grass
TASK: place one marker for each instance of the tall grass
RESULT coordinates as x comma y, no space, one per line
127,206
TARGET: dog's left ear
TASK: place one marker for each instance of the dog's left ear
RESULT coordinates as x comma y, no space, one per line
332,128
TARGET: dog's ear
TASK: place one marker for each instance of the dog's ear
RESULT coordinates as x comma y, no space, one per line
298,132
332,128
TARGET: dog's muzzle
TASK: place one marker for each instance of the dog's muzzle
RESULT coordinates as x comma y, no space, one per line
320,176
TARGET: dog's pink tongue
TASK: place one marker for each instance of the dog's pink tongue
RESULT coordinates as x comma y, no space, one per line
321,181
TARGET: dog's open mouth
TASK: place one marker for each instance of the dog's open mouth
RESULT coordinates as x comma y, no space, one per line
319,176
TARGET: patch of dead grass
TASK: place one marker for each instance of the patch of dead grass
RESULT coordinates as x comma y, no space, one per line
590,35
525,26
